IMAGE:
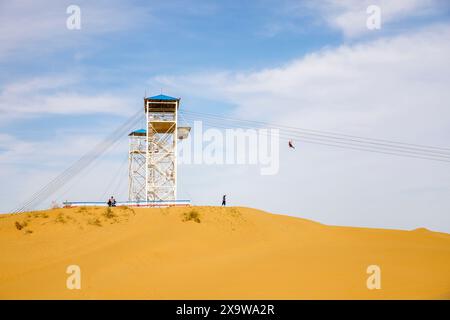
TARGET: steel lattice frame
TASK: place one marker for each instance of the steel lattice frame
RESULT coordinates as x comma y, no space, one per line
153,152
136,169
161,160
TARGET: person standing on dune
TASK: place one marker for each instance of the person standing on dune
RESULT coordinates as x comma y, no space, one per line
224,200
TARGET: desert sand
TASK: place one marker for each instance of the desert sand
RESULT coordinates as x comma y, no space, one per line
213,253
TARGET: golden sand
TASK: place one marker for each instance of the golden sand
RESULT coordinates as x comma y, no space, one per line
213,253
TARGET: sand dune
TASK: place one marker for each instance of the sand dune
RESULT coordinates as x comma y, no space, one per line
213,253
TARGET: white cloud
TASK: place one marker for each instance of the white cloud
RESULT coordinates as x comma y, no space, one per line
33,27
349,16
349,88
26,166
394,89
28,163
39,96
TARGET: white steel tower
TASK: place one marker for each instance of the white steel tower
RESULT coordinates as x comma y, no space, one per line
161,161
153,154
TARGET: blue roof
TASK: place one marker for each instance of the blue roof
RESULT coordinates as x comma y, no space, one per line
163,97
138,132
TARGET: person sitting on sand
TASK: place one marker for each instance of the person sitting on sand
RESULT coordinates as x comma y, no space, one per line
111,202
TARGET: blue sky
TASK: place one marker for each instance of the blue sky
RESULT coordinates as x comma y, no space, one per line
120,47
63,90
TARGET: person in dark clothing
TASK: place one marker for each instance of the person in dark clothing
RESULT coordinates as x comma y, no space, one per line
224,200
111,202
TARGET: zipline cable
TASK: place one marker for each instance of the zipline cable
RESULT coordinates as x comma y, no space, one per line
83,174
114,177
331,135
301,137
319,137
398,152
349,147
343,145
355,142
119,182
79,165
